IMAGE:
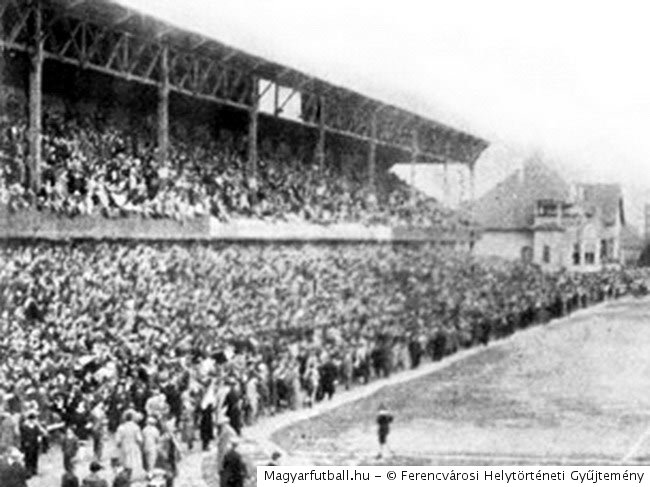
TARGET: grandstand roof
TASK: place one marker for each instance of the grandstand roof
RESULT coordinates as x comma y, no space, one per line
118,17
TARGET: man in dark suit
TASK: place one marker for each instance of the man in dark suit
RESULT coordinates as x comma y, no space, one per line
328,375
30,442
232,403
69,478
384,419
233,469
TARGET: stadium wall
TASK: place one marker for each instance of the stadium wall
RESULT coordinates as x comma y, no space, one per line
504,244
32,224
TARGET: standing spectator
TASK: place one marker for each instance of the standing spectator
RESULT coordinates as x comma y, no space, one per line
328,374
415,351
384,419
150,443
174,399
12,470
121,475
156,406
232,404
129,442
168,454
69,478
31,434
8,430
188,411
311,382
69,447
206,421
98,429
233,471
275,459
226,436
93,479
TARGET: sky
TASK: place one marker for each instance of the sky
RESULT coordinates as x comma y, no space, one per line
566,79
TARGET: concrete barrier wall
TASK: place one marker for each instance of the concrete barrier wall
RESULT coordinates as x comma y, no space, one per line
30,224
284,231
46,225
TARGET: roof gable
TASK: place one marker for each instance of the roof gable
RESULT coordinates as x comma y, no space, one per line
511,203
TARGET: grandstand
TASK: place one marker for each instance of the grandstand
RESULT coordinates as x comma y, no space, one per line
99,56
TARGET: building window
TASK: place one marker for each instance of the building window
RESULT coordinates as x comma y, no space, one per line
604,250
610,249
547,208
576,254
546,254
590,258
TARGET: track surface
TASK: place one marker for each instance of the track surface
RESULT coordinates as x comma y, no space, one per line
576,391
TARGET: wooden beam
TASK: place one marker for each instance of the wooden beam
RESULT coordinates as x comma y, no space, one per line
160,35
75,4
123,18
294,92
230,56
256,94
19,26
36,101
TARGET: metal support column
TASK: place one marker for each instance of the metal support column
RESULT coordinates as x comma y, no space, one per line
472,182
252,128
415,152
163,107
372,152
35,101
320,144
445,181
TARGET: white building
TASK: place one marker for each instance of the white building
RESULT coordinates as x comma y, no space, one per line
537,216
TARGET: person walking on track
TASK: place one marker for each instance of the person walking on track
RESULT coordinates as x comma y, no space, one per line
384,419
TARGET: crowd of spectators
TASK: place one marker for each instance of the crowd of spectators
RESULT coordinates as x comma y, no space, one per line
201,337
90,166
